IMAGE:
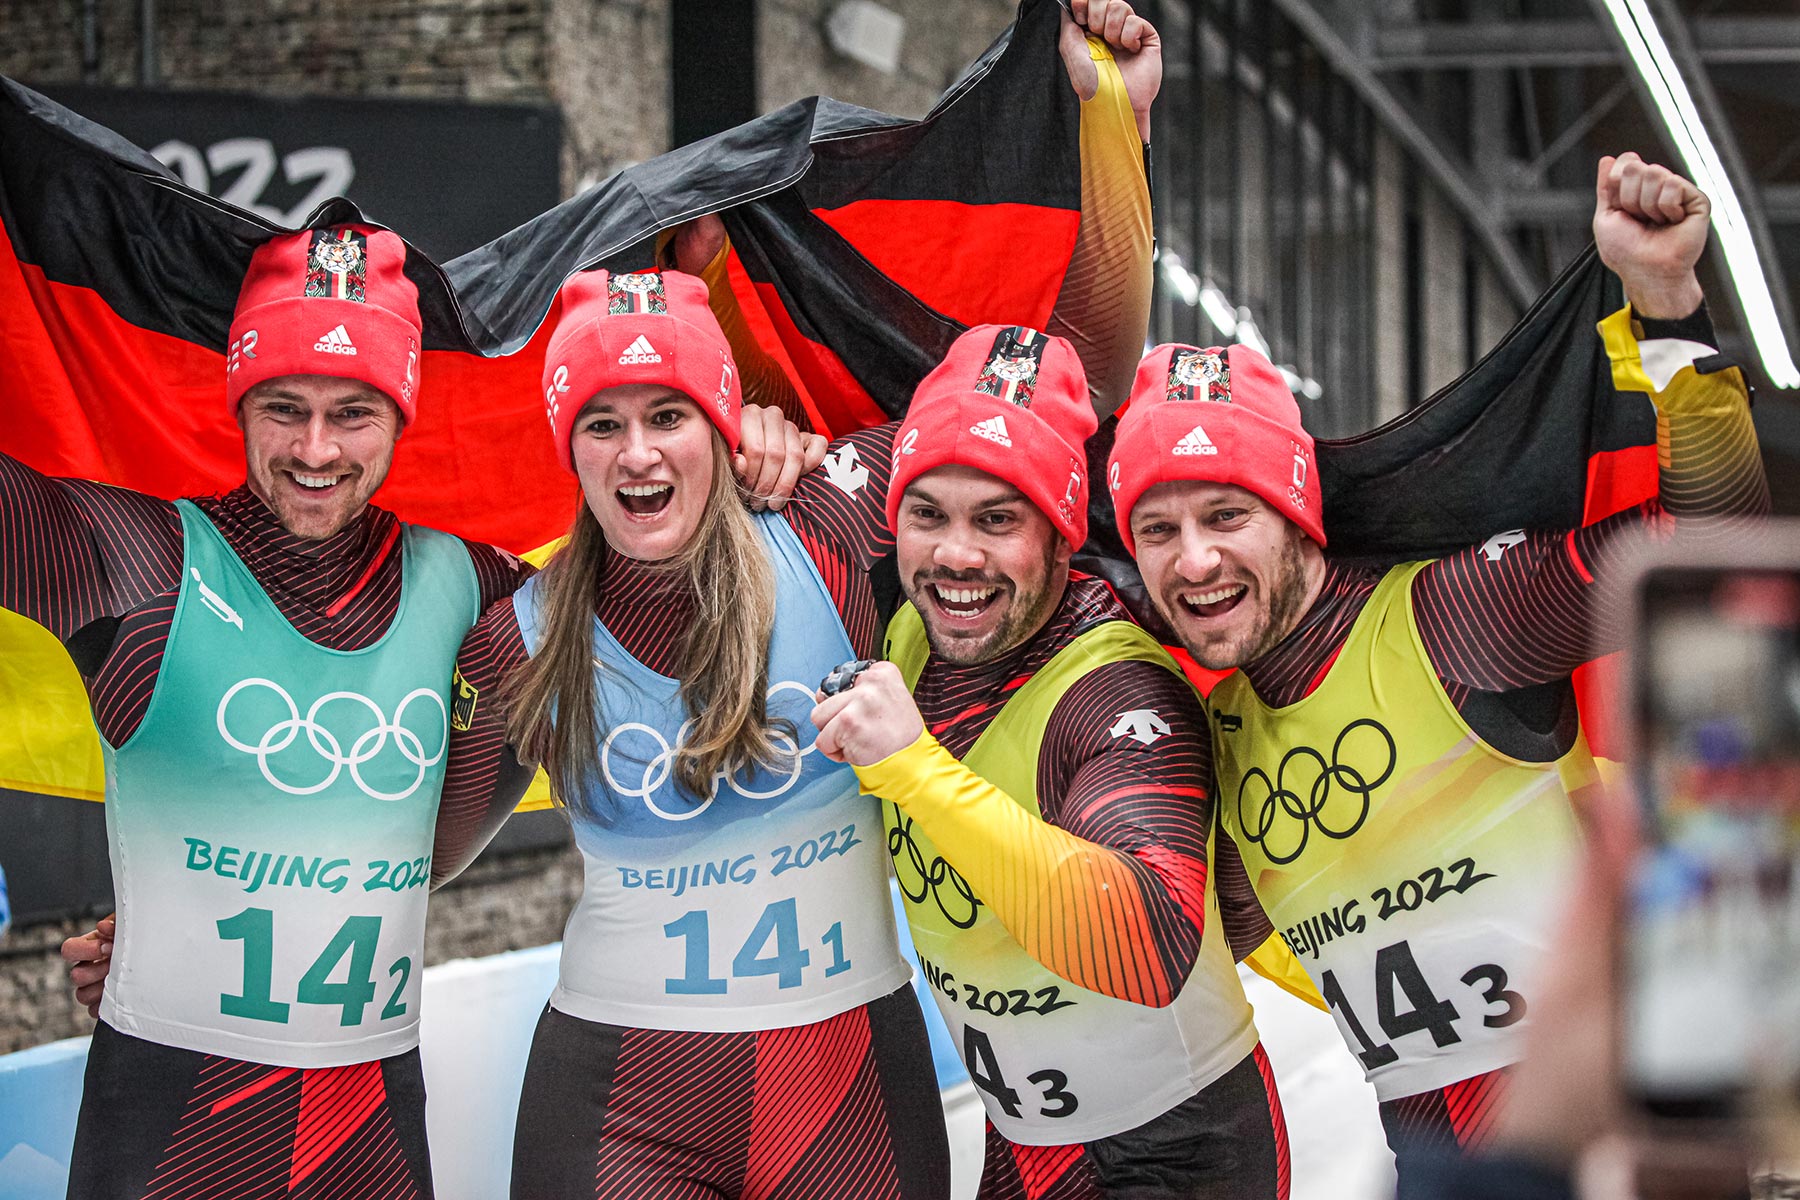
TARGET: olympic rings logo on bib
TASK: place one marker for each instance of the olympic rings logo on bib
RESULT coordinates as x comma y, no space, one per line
932,878
1281,797
364,747
656,769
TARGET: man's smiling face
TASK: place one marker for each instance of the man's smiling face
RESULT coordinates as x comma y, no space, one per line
1229,573
983,566
316,447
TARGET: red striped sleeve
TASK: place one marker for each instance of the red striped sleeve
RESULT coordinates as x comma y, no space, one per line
483,778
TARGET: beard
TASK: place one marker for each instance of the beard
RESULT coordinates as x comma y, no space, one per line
1287,602
1028,608
312,521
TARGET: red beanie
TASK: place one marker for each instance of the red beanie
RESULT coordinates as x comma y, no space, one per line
1216,416
1012,402
653,327
328,302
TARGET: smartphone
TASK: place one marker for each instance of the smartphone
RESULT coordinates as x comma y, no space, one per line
1710,952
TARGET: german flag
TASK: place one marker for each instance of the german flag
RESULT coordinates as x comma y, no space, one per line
862,245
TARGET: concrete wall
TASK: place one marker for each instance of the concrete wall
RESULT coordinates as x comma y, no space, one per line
1389,283
794,60
1445,260
607,67
603,62
484,50
1442,336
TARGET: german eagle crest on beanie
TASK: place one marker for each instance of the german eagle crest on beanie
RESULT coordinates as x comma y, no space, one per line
643,327
1216,415
328,302
1010,401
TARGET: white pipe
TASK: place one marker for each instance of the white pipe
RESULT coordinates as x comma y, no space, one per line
1650,56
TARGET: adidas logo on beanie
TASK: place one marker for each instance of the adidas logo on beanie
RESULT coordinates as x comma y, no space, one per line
349,281
1010,401
642,327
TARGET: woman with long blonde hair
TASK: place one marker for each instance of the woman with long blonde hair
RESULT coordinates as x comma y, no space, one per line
732,1017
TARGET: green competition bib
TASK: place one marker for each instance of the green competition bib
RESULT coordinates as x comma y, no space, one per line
271,821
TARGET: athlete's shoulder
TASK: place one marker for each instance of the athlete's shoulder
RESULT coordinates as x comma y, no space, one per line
1088,606
130,526
1504,564
1126,725
1127,706
108,500
495,645
857,466
498,572
1092,600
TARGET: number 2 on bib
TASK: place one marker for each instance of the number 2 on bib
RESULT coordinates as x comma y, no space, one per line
356,939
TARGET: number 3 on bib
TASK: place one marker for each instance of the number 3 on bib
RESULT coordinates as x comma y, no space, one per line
1396,970
984,1072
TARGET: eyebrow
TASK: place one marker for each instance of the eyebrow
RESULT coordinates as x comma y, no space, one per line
1011,496
368,397
597,405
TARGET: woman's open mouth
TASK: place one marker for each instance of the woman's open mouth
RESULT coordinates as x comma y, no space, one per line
645,499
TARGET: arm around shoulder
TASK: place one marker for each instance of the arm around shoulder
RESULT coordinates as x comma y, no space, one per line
485,777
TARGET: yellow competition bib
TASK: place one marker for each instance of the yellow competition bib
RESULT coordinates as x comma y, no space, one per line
1414,870
1054,1062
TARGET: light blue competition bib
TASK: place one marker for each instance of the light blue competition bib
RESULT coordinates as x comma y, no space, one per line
762,904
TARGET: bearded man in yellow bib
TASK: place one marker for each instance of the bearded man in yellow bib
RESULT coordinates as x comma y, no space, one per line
1045,810
1395,758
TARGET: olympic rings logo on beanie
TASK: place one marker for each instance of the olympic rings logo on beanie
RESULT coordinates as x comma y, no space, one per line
1012,402
1214,415
642,327
328,302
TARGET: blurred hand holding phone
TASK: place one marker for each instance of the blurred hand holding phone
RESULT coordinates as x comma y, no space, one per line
1663,1058
1664,1055
1709,956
